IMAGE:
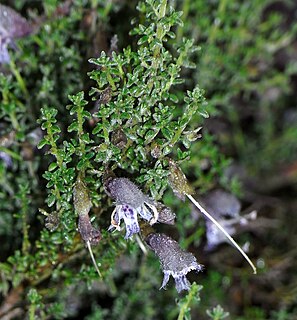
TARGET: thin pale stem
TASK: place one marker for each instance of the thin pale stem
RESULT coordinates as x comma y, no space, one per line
141,245
93,258
223,230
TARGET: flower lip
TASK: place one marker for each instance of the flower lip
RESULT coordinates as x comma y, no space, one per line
130,202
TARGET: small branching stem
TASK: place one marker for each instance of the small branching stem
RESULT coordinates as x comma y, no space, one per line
220,13
159,33
216,223
32,310
54,148
185,306
162,11
13,154
80,132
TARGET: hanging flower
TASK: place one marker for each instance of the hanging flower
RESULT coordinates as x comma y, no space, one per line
174,261
130,201
12,26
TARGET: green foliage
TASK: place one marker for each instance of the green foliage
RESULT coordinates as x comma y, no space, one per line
217,313
185,303
243,82
141,101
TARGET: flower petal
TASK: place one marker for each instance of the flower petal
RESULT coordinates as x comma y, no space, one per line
215,236
145,213
182,283
165,279
3,155
129,215
4,55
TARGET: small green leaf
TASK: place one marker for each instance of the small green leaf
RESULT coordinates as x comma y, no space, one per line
52,166
150,135
167,133
73,127
51,199
42,143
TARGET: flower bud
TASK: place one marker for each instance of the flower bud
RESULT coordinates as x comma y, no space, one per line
178,181
81,200
87,231
82,206
166,215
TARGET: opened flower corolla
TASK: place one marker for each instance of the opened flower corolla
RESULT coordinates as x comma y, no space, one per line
130,202
174,261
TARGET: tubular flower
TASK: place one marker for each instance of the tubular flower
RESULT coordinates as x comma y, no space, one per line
130,201
174,261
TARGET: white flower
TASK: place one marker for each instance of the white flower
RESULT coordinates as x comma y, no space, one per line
130,202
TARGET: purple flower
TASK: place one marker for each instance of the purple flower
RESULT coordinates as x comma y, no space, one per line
12,26
130,201
221,204
174,261
6,159
4,55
